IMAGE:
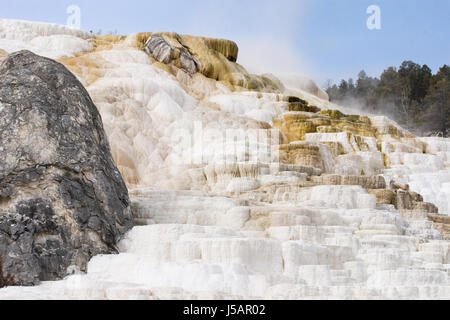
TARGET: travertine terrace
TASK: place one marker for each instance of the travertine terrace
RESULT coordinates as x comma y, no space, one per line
243,187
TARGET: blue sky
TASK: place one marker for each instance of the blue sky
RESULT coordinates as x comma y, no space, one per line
325,39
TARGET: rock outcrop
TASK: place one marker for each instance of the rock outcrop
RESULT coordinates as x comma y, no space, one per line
213,58
62,199
403,200
162,51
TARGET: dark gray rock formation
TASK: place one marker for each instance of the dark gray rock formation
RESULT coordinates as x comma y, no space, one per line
162,51
62,199
158,47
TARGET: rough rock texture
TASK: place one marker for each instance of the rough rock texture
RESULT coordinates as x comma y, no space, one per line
62,199
162,51
5,280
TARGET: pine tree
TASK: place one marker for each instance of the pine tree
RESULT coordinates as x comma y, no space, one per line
437,103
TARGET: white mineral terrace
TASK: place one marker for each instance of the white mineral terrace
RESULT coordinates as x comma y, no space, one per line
219,226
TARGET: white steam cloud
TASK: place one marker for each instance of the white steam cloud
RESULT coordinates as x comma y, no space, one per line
266,32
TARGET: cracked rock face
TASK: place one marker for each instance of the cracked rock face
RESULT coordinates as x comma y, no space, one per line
62,199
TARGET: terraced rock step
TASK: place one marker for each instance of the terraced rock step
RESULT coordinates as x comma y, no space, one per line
202,246
441,223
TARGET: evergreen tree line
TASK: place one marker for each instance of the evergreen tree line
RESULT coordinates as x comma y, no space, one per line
411,95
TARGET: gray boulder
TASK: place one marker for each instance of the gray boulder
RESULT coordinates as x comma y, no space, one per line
62,199
161,50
